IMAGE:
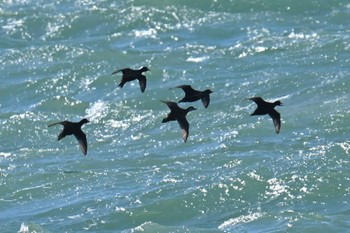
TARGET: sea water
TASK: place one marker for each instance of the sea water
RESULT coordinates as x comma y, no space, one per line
234,174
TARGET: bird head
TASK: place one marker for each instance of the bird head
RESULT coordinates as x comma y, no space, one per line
84,121
278,103
208,91
144,69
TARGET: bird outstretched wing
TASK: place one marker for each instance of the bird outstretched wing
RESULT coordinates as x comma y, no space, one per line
81,137
187,89
124,71
206,100
57,123
257,100
171,105
276,118
62,133
184,125
142,81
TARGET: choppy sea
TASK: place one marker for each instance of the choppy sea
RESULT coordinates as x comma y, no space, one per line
234,174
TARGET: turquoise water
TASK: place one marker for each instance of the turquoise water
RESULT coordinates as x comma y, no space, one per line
234,174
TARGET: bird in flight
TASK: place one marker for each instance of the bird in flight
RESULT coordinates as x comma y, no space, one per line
264,108
178,114
131,75
192,95
74,128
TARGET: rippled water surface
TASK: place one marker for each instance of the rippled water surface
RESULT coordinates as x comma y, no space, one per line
234,174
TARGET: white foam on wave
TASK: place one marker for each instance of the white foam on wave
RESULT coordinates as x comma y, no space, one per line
345,146
77,216
137,136
149,33
197,59
118,124
24,228
240,220
294,35
54,29
97,110
5,155
22,116
260,49
276,187
13,25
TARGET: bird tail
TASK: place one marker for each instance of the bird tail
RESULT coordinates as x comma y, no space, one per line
117,71
57,123
165,120
121,84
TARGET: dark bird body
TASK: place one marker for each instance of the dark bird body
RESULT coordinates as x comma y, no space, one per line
74,128
192,95
131,75
178,114
268,108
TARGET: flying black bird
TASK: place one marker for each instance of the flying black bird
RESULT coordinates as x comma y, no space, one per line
74,128
178,114
268,108
131,75
192,95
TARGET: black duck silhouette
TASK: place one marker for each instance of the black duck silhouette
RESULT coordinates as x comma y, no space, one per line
264,108
178,114
131,75
192,95
74,128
